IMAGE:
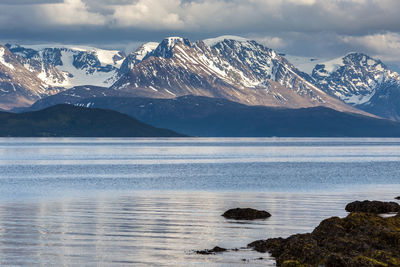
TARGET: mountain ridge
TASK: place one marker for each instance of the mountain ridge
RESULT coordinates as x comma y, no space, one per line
213,117
359,80
229,67
71,121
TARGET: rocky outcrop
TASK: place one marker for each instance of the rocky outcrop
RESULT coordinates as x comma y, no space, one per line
246,214
373,206
360,239
211,251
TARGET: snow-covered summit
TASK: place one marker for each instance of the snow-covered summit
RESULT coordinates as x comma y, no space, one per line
3,60
68,66
354,78
105,57
228,66
214,41
172,41
166,47
137,56
304,64
144,49
234,68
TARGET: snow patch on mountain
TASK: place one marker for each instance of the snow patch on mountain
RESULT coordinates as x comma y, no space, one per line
135,57
304,64
76,76
354,78
143,50
214,41
2,59
172,41
334,64
165,48
68,66
106,57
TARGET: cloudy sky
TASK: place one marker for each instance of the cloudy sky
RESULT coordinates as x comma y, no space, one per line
318,28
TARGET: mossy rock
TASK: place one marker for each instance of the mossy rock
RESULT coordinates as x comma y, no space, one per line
360,239
373,206
292,263
246,214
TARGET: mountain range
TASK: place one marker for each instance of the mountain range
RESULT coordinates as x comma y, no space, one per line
217,117
227,67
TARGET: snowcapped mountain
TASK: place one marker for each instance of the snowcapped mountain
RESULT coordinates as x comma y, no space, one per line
18,86
137,56
229,67
354,78
236,69
69,66
358,80
30,73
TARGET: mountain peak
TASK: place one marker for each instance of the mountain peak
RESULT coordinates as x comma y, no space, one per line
137,56
362,59
172,41
216,40
165,48
144,49
3,57
356,79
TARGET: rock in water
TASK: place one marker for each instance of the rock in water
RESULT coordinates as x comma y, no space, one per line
373,207
246,214
360,239
398,198
211,251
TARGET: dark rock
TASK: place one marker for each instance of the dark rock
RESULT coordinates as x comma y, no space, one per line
218,249
211,251
360,239
335,260
373,206
292,263
246,214
398,198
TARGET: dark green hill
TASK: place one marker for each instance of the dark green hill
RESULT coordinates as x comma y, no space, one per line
202,116
71,121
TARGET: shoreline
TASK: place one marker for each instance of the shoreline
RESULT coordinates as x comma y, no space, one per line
369,236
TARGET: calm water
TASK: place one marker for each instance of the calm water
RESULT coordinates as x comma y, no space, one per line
133,202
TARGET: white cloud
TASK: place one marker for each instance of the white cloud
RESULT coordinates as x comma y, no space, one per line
271,42
304,27
377,42
260,16
385,46
302,2
70,12
148,14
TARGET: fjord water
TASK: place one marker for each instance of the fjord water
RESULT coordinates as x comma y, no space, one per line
134,202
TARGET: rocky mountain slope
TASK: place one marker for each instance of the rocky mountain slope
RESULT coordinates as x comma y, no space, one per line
235,69
18,86
69,66
227,67
34,72
360,81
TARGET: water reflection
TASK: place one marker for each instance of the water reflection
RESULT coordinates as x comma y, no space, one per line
157,228
81,201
